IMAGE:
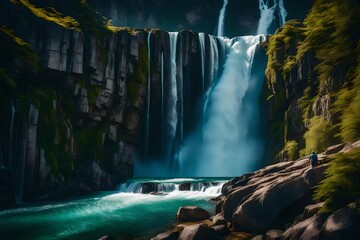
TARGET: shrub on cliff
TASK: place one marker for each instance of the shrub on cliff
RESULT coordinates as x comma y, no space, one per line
342,183
319,136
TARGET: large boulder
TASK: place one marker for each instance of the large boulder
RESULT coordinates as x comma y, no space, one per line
192,214
274,234
312,231
169,235
295,231
258,210
197,232
343,224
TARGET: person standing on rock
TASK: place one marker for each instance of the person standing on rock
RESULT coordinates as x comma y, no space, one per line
313,159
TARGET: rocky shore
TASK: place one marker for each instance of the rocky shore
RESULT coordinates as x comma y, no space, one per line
275,202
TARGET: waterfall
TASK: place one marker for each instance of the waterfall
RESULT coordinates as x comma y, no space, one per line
214,59
227,147
214,65
172,112
220,29
162,132
269,13
202,49
148,99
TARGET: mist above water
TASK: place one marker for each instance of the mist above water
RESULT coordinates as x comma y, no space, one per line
228,143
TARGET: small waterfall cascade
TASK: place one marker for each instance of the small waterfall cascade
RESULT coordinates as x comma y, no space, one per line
272,15
167,186
220,28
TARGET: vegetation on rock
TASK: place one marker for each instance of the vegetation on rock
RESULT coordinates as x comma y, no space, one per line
328,41
342,183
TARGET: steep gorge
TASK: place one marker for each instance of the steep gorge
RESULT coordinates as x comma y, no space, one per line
101,99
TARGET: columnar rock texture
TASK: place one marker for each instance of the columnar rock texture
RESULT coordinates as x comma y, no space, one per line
77,123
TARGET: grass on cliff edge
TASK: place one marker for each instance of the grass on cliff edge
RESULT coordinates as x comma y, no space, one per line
341,185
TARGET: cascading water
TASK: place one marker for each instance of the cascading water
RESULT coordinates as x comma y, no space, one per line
270,11
173,185
172,117
202,49
148,99
227,147
227,142
220,28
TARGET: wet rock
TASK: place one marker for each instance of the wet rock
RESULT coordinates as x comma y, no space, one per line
106,237
149,187
274,234
311,210
197,232
312,231
258,237
218,220
184,187
169,235
191,214
221,230
295,231
343,224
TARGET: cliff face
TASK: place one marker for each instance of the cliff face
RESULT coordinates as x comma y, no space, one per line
79,105
312,81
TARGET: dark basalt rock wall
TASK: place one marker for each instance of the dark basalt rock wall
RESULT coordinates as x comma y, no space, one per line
77,124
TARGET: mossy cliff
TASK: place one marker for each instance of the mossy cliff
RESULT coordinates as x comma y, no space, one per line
75,98
70,100
313,80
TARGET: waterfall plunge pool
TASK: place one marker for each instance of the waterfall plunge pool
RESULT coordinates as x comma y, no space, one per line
123,214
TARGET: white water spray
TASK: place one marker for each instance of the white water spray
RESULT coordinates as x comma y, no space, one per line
220,29
227,148
268,14
172,118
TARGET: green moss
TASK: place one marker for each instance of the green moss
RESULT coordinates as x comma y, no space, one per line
12,47
93,92
319,136
292,149
347,105
342,182
332,33
88,140
282,50
5,80
49,14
